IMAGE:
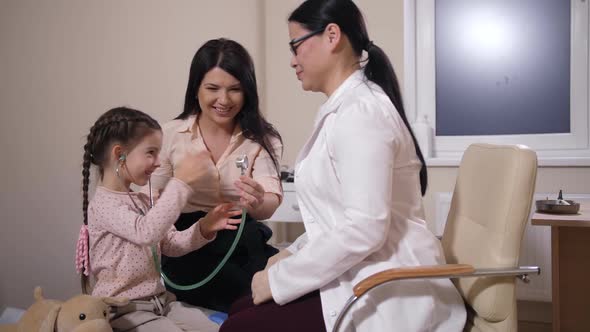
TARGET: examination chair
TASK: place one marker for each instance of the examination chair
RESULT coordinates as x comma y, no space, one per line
490,207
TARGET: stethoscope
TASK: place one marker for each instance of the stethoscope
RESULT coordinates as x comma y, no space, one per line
242,164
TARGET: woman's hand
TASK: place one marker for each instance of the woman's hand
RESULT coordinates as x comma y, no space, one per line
277,257
251,193
219,218
261,287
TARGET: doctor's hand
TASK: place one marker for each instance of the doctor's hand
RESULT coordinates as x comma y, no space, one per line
261,287
251,193
284,253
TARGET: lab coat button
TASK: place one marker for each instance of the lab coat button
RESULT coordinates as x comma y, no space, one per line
333,313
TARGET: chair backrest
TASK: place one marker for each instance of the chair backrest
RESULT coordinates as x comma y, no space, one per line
490,207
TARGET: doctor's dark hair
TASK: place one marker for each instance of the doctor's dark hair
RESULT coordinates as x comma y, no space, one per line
236,61
119,125
317,14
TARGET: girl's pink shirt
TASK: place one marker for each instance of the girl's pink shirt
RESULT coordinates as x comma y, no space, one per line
121,237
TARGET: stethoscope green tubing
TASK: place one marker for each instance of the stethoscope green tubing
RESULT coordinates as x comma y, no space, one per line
240,163
212,274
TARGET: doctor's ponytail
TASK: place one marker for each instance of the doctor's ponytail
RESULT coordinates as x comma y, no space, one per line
379,70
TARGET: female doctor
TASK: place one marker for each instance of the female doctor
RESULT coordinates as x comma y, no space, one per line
360,180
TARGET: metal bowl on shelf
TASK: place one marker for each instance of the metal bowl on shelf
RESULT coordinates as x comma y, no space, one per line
557,206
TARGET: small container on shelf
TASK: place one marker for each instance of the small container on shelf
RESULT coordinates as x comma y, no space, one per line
557,206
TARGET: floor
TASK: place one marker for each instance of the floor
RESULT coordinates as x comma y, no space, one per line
11,315
534,316
533,327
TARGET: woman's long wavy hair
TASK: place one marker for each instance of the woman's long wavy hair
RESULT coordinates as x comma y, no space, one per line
235,60
317,14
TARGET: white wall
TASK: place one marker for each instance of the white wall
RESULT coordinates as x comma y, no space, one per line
62,64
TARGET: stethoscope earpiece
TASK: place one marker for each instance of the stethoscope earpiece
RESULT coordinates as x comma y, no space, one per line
122,158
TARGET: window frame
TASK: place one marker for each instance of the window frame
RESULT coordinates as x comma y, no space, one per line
572,149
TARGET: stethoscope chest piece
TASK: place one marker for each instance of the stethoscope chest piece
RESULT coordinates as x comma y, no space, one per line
242,163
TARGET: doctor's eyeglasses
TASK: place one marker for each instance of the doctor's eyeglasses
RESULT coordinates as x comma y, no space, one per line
295,43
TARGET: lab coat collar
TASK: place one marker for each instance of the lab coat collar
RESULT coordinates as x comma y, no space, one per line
331,105
335,100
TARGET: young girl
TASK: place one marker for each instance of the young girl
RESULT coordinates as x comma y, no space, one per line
122,230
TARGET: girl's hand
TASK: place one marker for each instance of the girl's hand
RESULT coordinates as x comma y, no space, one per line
219,218
261,287
193,167
156,195
251,193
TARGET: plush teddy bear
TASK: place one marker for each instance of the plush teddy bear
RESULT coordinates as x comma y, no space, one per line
82,313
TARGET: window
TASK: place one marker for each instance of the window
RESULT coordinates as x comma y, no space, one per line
503,72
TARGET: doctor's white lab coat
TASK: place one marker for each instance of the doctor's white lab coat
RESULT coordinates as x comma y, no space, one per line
358,189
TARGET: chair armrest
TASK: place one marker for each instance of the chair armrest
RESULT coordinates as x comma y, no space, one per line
414,272
519,271
429,272
437,272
